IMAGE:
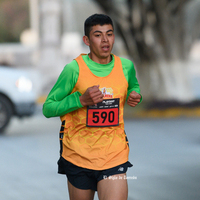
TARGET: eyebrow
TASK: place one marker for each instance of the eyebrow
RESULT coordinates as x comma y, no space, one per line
101,31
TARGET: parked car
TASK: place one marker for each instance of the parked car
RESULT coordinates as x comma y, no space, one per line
17,97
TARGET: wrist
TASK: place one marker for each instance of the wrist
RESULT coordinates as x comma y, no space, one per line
81,100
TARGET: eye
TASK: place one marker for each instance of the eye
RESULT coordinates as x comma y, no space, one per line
97,35
110,34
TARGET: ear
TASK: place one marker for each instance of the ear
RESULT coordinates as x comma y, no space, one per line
86,40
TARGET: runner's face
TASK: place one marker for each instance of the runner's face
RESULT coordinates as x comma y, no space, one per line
101,42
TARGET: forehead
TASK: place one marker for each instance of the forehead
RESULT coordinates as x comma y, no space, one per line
104,28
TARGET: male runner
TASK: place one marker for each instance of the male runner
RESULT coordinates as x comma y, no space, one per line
89,97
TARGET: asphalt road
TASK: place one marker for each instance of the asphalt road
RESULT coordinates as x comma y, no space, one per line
165,154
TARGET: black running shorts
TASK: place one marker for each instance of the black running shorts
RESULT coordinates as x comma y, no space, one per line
85,179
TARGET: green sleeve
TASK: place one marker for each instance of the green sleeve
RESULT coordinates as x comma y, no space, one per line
130,74
60,100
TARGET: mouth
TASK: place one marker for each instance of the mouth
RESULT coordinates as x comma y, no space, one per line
105,48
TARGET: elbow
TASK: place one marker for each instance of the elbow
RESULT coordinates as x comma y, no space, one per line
45,112
46,115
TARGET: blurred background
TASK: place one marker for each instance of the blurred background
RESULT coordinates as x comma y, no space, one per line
162,38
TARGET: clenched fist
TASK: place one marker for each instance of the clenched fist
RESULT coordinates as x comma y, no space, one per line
133,99
91,96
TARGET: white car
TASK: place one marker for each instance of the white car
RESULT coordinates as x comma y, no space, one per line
17,97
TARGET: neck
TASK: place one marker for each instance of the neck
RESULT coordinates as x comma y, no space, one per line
102,60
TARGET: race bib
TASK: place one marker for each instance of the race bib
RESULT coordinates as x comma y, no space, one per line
105,113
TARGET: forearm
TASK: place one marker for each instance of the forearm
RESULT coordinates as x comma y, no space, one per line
130,75
53,108
61,100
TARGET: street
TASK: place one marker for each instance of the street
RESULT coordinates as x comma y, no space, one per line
165,154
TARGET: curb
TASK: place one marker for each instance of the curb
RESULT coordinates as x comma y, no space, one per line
41,99
167,113
173,112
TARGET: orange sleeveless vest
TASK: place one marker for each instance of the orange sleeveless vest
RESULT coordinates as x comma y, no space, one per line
96,148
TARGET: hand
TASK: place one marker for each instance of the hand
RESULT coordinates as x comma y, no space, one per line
133,99
91,96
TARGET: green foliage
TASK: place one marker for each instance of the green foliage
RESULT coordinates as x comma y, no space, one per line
14,18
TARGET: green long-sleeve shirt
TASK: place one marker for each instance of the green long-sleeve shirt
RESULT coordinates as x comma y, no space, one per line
60,101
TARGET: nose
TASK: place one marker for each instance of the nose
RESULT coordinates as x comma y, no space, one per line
104,38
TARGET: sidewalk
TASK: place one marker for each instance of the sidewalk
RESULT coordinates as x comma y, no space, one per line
164,110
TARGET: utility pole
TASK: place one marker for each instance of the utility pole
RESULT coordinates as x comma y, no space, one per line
34,15
50,59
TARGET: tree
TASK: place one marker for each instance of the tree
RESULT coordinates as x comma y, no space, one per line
14,18
156,37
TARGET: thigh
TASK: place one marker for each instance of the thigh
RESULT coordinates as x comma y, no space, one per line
113,187
79,194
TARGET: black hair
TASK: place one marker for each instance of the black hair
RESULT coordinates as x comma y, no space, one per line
96,19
